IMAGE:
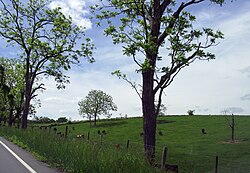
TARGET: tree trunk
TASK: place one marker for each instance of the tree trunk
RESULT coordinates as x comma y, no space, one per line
4,120
26,111
26,105
1,117
233,138
95,119
2,114
18,116
149,116
18,123
19,109
11,105
90,121
28,87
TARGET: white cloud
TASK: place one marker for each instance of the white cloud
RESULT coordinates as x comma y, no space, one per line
235,110
246,71
245,97
76,9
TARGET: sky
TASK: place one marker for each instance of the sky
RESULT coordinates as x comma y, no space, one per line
206,87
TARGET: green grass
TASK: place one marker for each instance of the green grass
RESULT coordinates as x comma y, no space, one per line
71,155
187,147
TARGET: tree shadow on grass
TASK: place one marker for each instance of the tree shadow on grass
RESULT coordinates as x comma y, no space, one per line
164,121
111,124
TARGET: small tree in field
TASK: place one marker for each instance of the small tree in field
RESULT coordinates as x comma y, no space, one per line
190,112
62,120
231,124
162,111
96,103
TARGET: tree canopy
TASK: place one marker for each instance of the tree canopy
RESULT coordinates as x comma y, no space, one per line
96,103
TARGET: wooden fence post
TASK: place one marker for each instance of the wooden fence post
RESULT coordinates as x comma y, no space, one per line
127,144
216,164
88,136
164,157
101,139
66,131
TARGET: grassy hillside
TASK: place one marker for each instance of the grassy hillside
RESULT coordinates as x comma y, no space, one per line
187,146
191,150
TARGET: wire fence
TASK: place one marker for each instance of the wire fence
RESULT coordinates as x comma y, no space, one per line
189,162
192,161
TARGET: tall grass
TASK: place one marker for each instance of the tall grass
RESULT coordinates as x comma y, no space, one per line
77,156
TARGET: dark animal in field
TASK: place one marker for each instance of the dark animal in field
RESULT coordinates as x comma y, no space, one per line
62,135
171,168
99,132
73,128
168,168
160,133
141,134
203,131
117,146
104,132
43,127
55,129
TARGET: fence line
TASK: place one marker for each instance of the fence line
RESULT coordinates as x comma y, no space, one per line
220,164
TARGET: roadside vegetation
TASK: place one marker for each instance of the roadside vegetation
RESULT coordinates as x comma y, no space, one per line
188,147
73,155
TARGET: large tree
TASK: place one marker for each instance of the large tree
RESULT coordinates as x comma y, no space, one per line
47,40
12,89
160,37
4,92
96,103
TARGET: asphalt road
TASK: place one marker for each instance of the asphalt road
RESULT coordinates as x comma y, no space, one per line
16,160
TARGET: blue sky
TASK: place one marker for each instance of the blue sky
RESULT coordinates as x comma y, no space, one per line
207,87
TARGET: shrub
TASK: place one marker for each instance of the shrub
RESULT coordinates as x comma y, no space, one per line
190,112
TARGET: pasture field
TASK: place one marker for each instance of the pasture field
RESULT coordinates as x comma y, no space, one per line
188,148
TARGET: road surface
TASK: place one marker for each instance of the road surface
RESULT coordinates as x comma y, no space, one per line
16,160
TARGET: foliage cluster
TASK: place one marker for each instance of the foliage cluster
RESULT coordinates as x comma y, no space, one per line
12,91
62,120
96,103
190,112
42,120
